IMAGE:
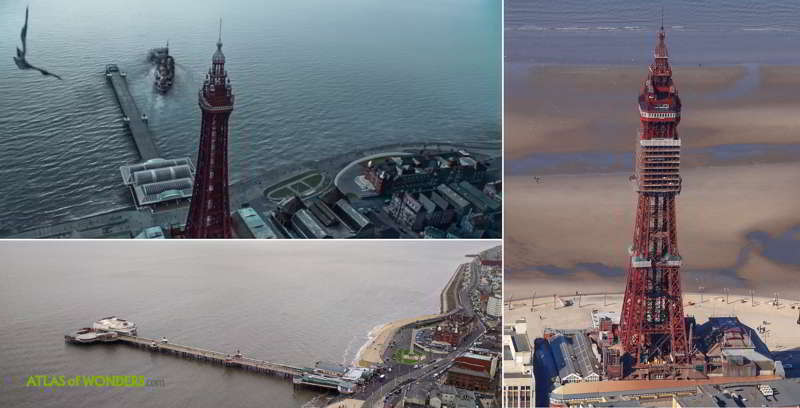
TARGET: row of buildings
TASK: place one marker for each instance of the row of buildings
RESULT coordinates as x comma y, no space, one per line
586,368
435,395
328,215
487,299
721,347
455,210
473,379
468,383
441,195
745,392
423,171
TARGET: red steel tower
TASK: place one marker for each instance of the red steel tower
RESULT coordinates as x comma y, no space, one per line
652,325
209,213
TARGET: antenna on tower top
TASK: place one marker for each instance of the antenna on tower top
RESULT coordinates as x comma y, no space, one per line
220,26
662,18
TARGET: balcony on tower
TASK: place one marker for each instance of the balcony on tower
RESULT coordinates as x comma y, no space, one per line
672,260
658,165
640,262
655,110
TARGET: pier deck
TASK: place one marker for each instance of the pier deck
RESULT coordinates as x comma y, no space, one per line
139,130
228,360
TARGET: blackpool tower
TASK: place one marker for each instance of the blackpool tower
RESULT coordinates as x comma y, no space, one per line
209,213
652,328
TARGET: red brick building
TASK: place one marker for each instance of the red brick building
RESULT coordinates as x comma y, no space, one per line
473,372
453,330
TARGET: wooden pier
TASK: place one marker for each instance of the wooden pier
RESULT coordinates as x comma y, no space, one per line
300,377
133,117
227,360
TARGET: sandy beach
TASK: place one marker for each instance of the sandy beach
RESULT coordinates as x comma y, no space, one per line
348,403
379,338
593,108
576,222
565,221
782,329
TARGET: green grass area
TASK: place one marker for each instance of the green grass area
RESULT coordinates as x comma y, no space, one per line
408,357
300,187
281,193
303,183
313,180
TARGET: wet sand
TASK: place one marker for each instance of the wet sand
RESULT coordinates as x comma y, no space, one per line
593,108
569,220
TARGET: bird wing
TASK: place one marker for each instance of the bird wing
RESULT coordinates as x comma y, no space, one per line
46,72
24,34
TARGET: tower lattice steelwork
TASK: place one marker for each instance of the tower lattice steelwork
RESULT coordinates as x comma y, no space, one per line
653,331
209,213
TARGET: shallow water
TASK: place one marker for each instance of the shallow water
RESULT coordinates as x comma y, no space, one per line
616,32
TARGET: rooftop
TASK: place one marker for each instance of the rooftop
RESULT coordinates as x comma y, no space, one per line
573,354
633,387
254,224
521,343
159,180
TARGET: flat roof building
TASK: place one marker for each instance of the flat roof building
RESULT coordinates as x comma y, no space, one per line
574,358
248,224
518,377
306,224
783,393
158,181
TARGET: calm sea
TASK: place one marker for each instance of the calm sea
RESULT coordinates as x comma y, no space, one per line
312,78
617,31
277,301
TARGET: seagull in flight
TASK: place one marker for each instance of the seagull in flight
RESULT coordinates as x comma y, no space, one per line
20,58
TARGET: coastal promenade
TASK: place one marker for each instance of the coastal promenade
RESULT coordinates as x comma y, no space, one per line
126,221
451,303
781,320
402,333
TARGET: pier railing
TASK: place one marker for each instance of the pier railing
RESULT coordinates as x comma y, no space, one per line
228,360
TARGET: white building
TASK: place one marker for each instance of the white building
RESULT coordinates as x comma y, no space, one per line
518,379
115,324
494,306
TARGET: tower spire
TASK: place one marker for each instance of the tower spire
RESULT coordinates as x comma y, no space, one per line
661,48
219,39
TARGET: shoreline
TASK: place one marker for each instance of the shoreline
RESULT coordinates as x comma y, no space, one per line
379,337
247,190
